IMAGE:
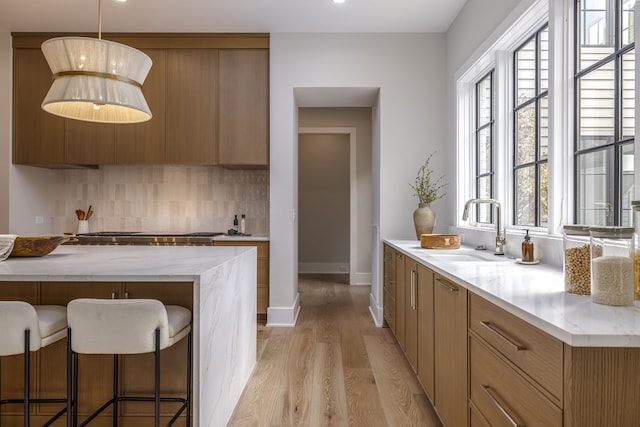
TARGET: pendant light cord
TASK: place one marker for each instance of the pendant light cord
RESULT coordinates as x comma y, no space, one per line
100,19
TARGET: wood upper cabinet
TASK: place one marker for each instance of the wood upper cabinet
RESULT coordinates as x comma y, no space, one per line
40,135
243,110
200,89
89,143
450,344
146,143
192,91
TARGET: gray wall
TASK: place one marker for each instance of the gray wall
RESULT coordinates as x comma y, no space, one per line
323,203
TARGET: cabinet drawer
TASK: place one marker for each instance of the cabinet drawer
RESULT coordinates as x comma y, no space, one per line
503,396
537,353
390,310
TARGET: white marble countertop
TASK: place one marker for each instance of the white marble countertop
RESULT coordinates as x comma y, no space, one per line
534,293
117,263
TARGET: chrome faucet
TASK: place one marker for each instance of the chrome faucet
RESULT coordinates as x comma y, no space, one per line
500,234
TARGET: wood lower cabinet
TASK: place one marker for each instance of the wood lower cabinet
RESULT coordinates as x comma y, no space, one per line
96,371
400,300
263,272
503,396
243,130
426,330
389,272
411,312
450,347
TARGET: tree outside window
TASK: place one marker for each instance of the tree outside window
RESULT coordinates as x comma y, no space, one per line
531,131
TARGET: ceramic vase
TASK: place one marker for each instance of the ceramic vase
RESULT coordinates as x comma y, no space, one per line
423,219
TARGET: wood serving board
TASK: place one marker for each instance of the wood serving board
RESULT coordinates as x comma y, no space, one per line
440,241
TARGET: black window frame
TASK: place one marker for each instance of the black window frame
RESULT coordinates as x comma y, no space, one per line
479,127
615,147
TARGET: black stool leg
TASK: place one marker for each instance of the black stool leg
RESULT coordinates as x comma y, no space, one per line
115,390
27,376
157,375
189,375
69,381
75,387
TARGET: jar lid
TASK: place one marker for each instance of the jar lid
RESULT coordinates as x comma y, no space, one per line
576,230
613,232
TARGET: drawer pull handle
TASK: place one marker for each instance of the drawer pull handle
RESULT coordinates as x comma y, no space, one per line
495,401
446,286
516,346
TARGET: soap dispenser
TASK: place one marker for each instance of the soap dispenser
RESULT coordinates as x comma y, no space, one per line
527,249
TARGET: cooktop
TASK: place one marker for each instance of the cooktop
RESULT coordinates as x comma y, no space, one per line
148,234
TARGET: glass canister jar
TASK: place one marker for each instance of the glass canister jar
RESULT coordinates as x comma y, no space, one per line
635,205
576,264
612,265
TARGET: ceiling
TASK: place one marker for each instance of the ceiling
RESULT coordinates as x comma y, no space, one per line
216,16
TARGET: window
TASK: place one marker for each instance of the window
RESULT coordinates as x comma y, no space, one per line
531,131
605,112
484,147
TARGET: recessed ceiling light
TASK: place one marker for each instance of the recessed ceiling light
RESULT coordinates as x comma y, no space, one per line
338,1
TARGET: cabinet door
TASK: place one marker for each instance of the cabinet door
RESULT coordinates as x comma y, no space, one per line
146,143
243,133
88,143
426,367
400,300
262,272
38,137
411,312
450,343
390,287
192,95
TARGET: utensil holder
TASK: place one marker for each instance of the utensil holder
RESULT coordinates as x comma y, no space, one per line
83,226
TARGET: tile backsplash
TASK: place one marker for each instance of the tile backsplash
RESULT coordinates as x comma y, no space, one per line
162,198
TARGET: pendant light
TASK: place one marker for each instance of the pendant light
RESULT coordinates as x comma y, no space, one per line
96,80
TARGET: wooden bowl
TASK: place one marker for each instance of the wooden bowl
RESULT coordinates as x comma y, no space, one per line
26,246
440,241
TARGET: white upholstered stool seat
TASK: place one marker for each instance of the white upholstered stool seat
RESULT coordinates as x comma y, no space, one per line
25,328
128,326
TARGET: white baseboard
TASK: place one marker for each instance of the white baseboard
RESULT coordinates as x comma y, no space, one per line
377,312
323,267
284,317
360,279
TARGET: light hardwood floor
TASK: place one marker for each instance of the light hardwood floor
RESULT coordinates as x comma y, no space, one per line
335,368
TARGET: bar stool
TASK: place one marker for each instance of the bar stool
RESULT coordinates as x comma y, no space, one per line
127,326
25,328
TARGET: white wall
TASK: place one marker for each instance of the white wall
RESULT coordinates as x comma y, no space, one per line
476,27
409,70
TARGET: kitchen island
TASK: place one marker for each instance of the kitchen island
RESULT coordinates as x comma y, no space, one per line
217,284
